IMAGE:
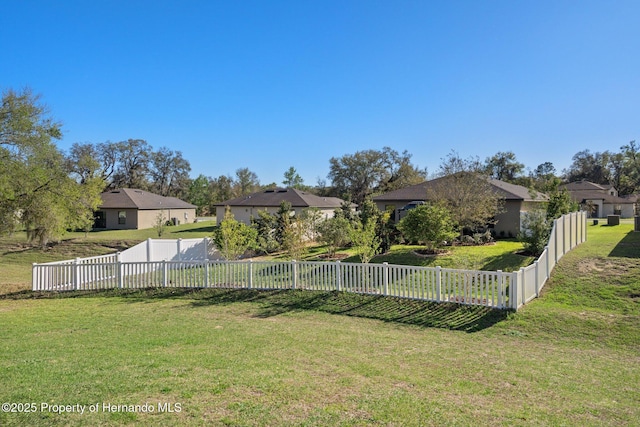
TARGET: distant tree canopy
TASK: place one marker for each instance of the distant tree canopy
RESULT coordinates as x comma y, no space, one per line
37,190
134,164
621,169
292,179
356,176
504,166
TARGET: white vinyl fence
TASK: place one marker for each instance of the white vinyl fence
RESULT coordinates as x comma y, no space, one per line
568,232
187,264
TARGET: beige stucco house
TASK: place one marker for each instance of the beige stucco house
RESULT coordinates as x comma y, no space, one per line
131,209
517,200
245,208
601,200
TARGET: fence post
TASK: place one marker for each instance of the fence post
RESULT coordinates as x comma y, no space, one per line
537,278
119,268
438,283
548,264
513,289
179,249
164,273
295,274
556,243
149,249
76,273
250,273
338,277
522,280
34,279
385,278
206,273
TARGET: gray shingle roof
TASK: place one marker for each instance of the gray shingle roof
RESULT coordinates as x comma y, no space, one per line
504,189
274,197
129,198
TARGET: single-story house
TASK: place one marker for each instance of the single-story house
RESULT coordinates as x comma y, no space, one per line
245,208
517,200
600,200
131,209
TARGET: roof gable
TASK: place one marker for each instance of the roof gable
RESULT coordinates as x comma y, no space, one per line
586,186
129,198
504,189
275,196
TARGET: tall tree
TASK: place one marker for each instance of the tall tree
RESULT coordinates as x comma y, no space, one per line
543,177
356,176
221,189
466,192
107,155
504,166
292,178
133,165
589,166
35,184
169,172
400,171
84,162
198,194
630,179
247,182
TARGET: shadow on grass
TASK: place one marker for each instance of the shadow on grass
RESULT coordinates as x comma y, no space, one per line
507,262
276,302
628,247
207,229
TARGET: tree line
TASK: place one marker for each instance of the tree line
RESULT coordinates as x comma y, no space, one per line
47,191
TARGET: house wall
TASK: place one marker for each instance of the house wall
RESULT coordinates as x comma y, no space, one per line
626,210
147,218
139,219
508,222
245,213
111,216
394,206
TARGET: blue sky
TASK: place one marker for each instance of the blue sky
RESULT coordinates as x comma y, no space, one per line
273,84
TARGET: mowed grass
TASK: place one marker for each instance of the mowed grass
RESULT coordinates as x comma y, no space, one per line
293,358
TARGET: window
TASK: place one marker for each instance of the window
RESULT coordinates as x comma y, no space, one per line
122,217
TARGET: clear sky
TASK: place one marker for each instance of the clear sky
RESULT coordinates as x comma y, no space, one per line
272,84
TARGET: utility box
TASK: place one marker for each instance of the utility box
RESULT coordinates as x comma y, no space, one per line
613,219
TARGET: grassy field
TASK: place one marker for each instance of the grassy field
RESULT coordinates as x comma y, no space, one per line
290,358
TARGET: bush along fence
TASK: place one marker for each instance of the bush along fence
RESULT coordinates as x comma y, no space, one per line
190,263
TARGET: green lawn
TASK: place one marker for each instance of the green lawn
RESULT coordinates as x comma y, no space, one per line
291,358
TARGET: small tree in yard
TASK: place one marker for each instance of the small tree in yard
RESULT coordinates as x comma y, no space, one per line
265,225
429,224
233,238
334,232
535,231
293,238
365,240
160,223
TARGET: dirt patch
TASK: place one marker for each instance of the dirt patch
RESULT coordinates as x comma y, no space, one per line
610,267
336,257
424,253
